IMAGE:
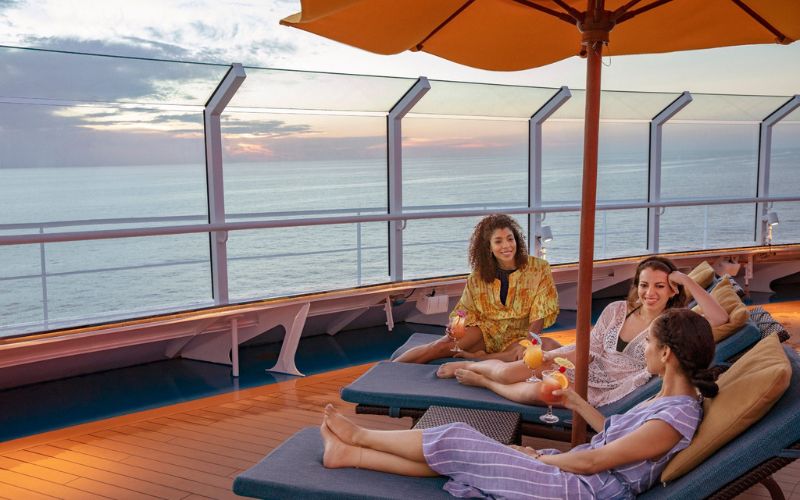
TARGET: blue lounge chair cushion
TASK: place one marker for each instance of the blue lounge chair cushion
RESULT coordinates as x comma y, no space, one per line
294,470
414,386
736,343
745,337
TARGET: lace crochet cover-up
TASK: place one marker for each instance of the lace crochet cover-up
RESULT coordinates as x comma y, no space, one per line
612,374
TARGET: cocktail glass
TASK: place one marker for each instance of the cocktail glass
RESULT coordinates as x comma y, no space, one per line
457,329
553,380
532,357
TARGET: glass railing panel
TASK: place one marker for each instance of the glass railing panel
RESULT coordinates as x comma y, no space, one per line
49,76
303,163
440,247
304,90
565,227
620,233
482,100
20,306
705,160
78,163
710,226
617,233
289,261
729,108
20,288
462,162
622,161
616,105
102,280
788,230
784,173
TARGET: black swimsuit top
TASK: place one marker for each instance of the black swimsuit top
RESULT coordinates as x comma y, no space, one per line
502,275
621,344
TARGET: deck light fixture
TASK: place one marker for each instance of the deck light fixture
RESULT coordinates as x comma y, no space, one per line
545,235
772,220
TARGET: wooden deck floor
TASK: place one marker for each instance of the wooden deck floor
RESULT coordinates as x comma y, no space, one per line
194,450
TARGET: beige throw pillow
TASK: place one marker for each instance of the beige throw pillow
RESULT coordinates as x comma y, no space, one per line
703,275
726,296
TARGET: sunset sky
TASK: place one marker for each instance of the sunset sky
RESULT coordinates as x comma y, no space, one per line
247,31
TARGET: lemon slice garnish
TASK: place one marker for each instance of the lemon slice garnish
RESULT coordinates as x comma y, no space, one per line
564,362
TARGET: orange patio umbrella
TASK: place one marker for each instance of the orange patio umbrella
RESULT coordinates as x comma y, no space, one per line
509,35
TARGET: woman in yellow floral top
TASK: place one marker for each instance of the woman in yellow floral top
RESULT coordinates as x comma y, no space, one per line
507,295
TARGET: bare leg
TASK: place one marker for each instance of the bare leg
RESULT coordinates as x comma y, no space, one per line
448,370
472,341
521,392
498,371
404,444
338,454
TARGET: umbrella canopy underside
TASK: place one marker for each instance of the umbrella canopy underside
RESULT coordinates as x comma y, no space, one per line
509,35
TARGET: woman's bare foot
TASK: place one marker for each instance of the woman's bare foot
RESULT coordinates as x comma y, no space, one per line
469,377
337,454
340,425
448,370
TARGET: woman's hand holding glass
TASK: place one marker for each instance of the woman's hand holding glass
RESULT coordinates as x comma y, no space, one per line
568,398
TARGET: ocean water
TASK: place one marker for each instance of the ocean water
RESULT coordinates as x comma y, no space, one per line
107,279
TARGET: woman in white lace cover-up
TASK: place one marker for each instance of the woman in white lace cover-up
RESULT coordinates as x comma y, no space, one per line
617,341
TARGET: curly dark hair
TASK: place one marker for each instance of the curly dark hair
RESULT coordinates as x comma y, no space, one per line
659,264
480,253
689,336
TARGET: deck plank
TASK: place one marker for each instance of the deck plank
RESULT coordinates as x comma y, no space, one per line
15,492
44,487
89,468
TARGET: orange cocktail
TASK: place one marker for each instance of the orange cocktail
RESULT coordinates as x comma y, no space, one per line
553,380
457,328
550,384
532,357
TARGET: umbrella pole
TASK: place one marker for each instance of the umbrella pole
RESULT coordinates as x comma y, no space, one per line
586,254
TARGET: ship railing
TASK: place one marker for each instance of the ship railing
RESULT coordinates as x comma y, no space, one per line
302,218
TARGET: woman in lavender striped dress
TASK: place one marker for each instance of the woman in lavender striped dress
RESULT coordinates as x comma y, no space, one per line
625,458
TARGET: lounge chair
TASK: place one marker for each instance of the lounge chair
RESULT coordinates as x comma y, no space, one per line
407,390
294,469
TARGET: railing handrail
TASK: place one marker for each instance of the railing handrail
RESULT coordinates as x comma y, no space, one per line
321,221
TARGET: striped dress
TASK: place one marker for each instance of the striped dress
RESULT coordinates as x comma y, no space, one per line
480,467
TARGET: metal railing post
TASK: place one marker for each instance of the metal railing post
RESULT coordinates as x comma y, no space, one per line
394,143
43,267
654,167
214,178
358,252
605,231
764,161
535,164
